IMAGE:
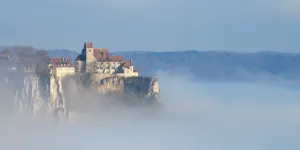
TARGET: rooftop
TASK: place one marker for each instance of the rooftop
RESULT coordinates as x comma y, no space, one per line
116,58
127,64
61,62
88,45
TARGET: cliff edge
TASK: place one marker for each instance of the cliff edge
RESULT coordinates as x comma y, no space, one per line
99,92
99,81
137,90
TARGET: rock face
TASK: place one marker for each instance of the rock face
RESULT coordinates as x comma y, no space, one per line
57,99
51,95
142,90
32,95
95,91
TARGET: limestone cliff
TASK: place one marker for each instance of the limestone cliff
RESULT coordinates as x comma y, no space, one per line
48,94
31,95
57,99
98,91
134,89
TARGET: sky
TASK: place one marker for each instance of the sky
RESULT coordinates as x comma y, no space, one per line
237,25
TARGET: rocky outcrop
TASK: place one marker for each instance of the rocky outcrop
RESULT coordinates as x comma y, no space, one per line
94,92
135,90
82,93
38,95
57,99
33,94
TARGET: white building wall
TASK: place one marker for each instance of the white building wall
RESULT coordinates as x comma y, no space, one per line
129,72
64,71
107,67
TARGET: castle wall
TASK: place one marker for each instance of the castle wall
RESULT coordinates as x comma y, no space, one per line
132,74
107,67
97,61
90,59
80,66
64,71
129,72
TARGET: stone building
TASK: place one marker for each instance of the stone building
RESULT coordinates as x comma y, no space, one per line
61,67
98,60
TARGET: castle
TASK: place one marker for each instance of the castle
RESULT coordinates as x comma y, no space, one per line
98,60
91,60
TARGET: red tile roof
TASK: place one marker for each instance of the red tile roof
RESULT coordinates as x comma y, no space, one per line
101,54
88,45
116,58
127,64
60,62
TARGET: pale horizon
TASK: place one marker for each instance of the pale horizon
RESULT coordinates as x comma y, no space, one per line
78,50
234,25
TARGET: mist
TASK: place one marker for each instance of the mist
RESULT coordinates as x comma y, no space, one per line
196,115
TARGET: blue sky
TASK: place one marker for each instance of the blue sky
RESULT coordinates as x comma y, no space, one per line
239,25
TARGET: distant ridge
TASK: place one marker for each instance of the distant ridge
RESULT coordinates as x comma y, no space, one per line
212,65
63,53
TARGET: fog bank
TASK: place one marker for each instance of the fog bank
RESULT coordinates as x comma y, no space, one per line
196,115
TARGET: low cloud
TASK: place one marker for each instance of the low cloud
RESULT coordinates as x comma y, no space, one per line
283,8
122,4
133,5
196,115
291,7
126,4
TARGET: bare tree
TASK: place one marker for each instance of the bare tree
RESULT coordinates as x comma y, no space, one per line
25,57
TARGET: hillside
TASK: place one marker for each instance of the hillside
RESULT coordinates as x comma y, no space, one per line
213,65
35,90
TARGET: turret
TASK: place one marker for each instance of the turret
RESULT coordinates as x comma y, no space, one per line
88,46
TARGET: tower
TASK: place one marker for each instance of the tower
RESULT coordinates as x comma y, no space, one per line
90,58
